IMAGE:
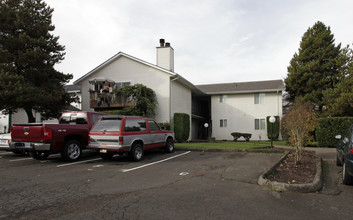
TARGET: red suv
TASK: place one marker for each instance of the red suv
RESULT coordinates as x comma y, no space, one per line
128,134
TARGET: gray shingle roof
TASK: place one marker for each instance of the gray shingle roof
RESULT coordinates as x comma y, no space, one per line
72,88
243,87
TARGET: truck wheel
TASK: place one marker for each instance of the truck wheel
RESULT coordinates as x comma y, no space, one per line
39,155
169,145
72,150
136,152
347,179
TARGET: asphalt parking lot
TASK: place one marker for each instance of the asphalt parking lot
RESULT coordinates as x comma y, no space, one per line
180,185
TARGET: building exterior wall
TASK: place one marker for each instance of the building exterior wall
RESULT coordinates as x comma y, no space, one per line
181,100
124,69
4,123
240,113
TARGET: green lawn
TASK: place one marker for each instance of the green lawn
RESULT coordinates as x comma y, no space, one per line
229,145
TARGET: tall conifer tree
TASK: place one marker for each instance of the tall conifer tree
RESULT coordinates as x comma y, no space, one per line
28,53
316,66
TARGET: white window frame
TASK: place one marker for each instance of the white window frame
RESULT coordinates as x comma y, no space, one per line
222,98
118,85
260,124
259,98
223,123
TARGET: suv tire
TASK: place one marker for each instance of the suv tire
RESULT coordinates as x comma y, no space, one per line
136,152
169,145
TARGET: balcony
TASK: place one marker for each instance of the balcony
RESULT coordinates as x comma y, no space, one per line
109,101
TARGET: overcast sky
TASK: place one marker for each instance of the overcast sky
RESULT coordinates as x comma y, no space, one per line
214,41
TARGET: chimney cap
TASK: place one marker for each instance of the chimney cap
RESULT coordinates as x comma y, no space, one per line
161,42
167,44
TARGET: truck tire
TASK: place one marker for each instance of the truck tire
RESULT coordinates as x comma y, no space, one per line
72,150
169,145
39,155
136,152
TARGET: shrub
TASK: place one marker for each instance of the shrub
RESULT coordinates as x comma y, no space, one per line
328,128
275,127
237,135
181,126
300,123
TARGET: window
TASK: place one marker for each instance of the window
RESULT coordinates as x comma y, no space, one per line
135,125
108,124
118,85
153,126
259,124
223,123
73,118
222,98
259,98
95,117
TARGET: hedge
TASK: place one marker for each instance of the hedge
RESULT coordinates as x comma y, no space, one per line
328,128
275,127
237,135
181,126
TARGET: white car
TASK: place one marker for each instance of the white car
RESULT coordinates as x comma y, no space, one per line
5,139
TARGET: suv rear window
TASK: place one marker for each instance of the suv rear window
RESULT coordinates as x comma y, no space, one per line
135,124
107,124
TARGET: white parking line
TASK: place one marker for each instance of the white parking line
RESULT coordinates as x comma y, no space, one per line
21,159
84,161
5,153
149,164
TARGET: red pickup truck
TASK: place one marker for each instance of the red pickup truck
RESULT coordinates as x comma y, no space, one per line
68,137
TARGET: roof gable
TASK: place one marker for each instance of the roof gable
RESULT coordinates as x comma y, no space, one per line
242,87
115,57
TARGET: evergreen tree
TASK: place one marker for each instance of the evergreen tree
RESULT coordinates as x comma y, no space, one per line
28,53
316,66
339,100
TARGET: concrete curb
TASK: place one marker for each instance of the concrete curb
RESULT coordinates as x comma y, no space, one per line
316,185
256,150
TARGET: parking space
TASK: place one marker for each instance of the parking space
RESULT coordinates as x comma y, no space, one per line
180,185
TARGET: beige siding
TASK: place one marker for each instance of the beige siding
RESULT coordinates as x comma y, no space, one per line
240,112
126,70
181,99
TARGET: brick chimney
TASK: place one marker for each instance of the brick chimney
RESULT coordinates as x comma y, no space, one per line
165,55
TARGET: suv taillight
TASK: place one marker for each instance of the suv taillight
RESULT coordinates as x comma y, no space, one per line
48,134
121,139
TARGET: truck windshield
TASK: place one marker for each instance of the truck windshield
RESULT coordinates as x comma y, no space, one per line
107,124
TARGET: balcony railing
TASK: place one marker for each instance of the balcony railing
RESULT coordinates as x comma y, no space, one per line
109,100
